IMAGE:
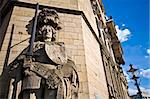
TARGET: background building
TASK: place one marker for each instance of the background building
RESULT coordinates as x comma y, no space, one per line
90,40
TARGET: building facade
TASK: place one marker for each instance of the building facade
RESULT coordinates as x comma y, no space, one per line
90,41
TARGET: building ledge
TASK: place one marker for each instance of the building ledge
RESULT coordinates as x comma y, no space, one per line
116,46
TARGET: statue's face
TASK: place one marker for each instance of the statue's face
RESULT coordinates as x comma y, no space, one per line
47,32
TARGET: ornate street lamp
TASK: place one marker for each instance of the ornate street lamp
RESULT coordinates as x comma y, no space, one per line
133,70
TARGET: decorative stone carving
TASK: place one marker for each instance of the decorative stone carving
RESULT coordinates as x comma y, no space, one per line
50,74
56,52
95,7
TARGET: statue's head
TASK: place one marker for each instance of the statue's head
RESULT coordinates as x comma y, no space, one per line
49,17
48,24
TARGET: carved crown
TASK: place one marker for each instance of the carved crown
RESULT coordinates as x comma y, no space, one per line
47,18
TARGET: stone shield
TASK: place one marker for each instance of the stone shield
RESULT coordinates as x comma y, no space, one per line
56,52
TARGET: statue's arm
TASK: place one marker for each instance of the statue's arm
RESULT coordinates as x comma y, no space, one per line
18,60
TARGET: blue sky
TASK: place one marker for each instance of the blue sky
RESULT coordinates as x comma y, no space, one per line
132,23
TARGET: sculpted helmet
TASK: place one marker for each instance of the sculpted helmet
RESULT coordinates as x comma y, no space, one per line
49,17
48,24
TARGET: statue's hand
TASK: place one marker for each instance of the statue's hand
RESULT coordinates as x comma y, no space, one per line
27,72
27,66
59,66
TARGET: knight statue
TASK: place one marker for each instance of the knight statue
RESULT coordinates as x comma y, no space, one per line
50,74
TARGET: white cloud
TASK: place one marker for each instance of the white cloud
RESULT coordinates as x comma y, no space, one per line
148,56
123,25
144,90
145,73
148,51
127,76
132,91
123,34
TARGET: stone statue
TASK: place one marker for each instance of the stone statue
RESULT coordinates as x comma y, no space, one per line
50,74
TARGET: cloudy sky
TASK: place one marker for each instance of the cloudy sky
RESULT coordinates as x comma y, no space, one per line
132,24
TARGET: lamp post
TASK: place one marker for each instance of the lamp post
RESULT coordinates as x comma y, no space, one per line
135,78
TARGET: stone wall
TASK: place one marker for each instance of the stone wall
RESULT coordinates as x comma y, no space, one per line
86,7
80,43
72,35
95,70
72,4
